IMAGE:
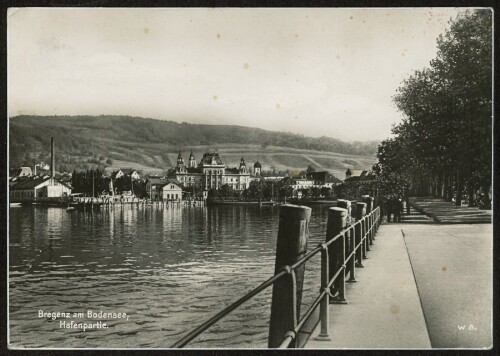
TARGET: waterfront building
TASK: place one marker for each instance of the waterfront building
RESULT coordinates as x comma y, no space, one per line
312,180
153,186
38,187
323,179
352,175
171,191
211,173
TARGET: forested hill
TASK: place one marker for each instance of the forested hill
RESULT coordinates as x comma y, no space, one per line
135,137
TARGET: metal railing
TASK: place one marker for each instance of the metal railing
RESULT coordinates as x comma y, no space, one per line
364,229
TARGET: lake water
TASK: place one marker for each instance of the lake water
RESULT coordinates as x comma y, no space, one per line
167,269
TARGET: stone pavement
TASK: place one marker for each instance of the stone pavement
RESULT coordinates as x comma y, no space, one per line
384,308
446,212
415,217
453,267
424,285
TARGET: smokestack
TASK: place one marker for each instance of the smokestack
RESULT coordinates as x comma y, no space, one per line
52,158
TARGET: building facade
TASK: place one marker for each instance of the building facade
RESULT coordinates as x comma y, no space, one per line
38,187
171,191
211,173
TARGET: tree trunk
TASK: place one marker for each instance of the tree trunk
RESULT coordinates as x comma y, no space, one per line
439,183
470,191
444,185
447,188
460,186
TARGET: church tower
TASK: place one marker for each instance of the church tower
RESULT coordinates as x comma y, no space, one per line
243,166
181,168
192,161
257,168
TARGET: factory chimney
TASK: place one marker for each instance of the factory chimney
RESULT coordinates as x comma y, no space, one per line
52,159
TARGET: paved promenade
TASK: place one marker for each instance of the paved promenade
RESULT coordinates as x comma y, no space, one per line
425,285
447,213
384,308
453,267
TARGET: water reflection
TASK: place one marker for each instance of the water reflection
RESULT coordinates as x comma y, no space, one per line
169,268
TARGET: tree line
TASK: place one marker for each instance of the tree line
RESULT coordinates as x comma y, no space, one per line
268,190
443,145
94,183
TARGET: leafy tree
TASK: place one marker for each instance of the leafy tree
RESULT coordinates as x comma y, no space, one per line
315,192
444,142
226,191
310,169
326,192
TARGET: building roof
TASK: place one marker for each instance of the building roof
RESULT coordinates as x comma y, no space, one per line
257,164
324,177
355,172
191,157
194,170
156,180
125,171
172,181
211,159
25,171
232,171
360,175
29,183
32,182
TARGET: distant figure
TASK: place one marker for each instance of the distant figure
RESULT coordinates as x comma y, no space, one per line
398,207
389,208
407,200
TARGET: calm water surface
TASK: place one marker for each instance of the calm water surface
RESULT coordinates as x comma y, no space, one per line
168,269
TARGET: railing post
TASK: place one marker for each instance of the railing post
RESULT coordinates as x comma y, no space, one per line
291,246
365,235
336,223
369,208
360,253
349,246
351,263
324,309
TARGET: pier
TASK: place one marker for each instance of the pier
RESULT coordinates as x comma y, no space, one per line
383,285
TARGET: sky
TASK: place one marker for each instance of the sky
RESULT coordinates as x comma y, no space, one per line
317,72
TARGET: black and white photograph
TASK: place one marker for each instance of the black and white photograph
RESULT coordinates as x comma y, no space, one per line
249,178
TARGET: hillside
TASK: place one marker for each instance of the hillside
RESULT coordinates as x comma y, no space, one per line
152,145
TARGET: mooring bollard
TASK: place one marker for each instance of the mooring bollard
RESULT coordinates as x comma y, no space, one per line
360,253
369,208
336,252
291,246
349,244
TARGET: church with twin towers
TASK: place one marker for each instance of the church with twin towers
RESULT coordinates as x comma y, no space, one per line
212,173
